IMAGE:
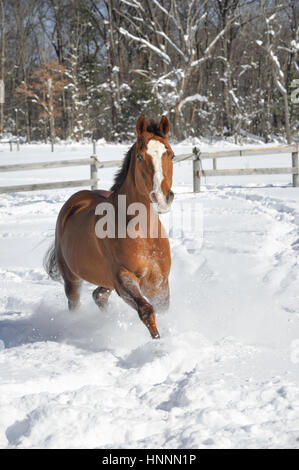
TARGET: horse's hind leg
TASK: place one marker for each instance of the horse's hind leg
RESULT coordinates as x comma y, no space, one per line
101,295
128,288
72,283
72,291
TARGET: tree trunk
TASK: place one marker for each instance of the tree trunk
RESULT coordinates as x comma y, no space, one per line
287,118
51,112
2,62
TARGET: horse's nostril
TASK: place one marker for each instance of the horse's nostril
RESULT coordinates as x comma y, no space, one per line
153,197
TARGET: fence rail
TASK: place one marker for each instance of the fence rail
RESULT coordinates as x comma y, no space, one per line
196,156
10,142
277,150
93,181
45,165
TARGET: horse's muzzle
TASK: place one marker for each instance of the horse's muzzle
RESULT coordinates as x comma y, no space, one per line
162,202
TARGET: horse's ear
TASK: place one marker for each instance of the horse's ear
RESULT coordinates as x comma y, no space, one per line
141,125
164,125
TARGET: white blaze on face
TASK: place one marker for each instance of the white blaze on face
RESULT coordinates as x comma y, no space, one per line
155,149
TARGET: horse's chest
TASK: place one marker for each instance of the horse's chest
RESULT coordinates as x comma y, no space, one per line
154,265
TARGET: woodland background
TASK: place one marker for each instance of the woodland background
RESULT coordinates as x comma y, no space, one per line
87,69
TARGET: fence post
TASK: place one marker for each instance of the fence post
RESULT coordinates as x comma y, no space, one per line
94,167
18,145
10,145
295,164
196,170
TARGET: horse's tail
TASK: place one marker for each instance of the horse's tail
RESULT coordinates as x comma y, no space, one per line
50,263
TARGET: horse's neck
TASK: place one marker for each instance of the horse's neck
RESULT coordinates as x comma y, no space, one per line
129,190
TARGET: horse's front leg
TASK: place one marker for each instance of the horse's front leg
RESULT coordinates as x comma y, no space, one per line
158,296
129,290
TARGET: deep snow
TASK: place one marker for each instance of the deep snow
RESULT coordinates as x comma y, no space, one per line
226,370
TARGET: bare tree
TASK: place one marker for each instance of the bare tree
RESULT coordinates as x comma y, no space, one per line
177,51
271,44
198,61
45,90
2,60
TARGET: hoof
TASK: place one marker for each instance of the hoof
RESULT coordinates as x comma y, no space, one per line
102,305
155,335
73,305
146,314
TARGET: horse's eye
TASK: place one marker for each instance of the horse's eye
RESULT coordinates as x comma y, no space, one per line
139,157
172,156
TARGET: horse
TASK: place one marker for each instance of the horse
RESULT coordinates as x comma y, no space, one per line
136,267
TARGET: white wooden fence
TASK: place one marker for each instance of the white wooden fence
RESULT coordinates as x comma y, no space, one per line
196,156
198,172
10,142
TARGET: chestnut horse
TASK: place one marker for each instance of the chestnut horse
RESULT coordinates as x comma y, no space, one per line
137,268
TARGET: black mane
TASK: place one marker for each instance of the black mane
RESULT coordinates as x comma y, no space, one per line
152,127
123,171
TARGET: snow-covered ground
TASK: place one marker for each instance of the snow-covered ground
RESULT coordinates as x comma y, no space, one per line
226,370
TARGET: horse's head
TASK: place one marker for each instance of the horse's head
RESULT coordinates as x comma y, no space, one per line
154,162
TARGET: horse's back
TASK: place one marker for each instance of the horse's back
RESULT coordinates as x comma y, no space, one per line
102,193
86,196
84,200
76,242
